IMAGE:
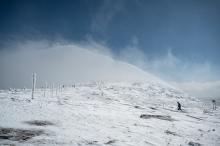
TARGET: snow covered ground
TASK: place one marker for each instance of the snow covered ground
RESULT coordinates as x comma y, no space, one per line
107,113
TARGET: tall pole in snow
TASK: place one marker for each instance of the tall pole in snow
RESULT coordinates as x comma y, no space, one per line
45,89
33,84
52,89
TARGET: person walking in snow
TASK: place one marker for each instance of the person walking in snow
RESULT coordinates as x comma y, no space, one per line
179,106
214,104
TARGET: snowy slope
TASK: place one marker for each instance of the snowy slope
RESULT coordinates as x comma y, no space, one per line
109,113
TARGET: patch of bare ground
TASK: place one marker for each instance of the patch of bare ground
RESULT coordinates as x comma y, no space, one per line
194,144
161,117
18,134
171,133
111,141
39,123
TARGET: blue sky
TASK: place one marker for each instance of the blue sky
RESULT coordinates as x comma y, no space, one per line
174,39
189,27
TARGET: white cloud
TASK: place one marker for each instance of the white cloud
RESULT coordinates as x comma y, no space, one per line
63,63
208,89
132,53
199,79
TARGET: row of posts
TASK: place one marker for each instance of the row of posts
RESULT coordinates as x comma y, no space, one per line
34,79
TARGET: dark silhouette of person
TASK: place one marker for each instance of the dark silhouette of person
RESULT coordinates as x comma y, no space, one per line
179,106
214,104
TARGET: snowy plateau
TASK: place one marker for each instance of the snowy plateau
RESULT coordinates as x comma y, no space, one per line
107,113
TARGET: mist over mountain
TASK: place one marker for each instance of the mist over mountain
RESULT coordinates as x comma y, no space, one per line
65,64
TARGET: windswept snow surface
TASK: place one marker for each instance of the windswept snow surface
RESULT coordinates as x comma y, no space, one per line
108,113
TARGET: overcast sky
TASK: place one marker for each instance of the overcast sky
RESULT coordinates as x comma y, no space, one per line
177,40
